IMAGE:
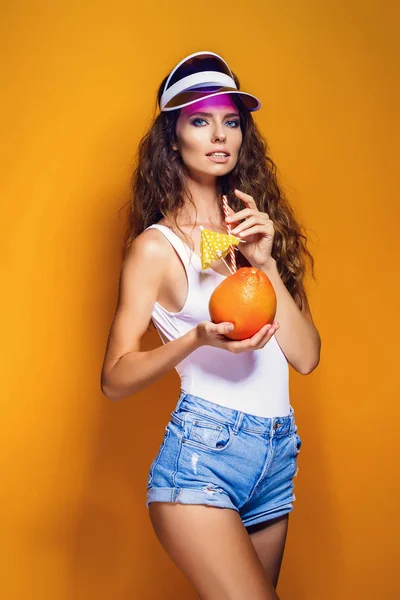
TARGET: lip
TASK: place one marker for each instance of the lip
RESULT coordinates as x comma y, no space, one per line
216,159
218,150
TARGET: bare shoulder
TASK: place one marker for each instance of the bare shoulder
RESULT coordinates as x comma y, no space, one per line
149,245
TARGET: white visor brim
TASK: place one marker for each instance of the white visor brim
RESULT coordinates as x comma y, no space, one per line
191,96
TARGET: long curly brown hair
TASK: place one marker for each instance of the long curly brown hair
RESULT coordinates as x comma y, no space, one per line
159,190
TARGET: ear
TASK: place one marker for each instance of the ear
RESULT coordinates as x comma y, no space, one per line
174,147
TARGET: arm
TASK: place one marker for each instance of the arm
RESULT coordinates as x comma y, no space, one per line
126,369
297,336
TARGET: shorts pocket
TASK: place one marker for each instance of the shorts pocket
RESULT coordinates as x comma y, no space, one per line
157,458
204,433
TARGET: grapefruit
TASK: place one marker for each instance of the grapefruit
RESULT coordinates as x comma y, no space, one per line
247,299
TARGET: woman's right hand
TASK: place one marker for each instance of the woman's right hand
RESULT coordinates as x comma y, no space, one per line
211,334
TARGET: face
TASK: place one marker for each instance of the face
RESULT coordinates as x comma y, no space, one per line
209,136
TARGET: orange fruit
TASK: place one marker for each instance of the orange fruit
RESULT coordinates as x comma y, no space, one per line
247,299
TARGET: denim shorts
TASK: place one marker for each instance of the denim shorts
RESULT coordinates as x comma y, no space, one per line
226,458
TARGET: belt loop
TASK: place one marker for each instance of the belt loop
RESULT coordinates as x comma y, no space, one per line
274,426
181,399
238,421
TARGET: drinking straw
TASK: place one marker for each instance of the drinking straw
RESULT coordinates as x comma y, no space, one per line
228,227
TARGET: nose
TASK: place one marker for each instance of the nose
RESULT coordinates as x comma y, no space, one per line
218,134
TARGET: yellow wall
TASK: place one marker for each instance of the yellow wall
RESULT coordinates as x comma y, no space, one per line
78,85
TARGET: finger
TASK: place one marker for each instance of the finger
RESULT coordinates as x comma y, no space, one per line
261,334
245,225
246,198
249,343
241,214
265,333
268,335
225,327
256,229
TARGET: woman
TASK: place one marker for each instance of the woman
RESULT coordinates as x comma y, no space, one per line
221,486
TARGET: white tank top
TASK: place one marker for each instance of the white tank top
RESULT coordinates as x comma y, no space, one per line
255,381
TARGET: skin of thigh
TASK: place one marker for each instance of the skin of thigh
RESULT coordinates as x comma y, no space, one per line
212,548
269,539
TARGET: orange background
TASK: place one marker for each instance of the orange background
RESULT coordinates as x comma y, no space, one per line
78,88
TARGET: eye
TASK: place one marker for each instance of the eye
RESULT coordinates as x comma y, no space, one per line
233,123
195,122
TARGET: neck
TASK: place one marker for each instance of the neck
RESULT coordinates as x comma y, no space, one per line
204,196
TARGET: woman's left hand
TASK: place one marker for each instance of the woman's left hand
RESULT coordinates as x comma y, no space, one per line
257,230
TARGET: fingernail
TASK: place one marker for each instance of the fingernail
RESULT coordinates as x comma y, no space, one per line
229,328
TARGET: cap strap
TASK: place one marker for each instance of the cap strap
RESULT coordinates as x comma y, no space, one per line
204,78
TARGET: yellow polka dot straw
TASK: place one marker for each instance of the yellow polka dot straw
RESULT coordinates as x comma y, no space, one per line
214,246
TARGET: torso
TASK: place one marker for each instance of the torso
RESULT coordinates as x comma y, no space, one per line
173,290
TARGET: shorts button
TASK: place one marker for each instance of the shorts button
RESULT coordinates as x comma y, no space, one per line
276,425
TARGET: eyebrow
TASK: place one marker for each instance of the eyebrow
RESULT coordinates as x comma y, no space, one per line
207,114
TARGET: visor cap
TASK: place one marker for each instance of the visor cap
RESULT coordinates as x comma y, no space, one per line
198,76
